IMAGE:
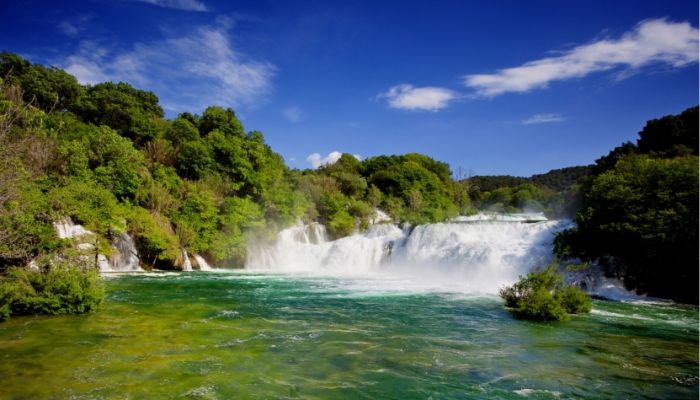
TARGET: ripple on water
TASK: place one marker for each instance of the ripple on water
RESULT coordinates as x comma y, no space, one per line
233,335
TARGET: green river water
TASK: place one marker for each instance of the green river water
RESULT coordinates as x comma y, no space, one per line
246,335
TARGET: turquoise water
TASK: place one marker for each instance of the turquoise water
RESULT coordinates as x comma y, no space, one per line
243,335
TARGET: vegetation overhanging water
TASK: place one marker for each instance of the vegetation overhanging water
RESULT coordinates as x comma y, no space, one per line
251,335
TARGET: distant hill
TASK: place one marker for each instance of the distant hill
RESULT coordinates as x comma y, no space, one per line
556,179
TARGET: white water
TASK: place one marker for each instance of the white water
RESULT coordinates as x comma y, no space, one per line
202,263
593,281
124,257
476,257
66,229
186,263
519,217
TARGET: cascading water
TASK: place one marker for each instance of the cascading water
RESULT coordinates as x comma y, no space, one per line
202,263
186,264
474,257
124,258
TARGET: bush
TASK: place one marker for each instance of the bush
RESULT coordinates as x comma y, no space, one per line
61,288
542,296
153,236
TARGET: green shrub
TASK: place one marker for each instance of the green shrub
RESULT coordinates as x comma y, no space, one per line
341,224
543,296
574,300
61,288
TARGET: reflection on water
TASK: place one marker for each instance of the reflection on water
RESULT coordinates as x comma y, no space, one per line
234,335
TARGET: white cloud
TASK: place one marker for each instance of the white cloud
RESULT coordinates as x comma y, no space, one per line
186,5
543,119
293,114
316,160
407,97
187,73
651,41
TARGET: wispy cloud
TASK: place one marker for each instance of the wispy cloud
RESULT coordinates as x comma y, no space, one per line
72,27
651,41
316,160
187,72
186,5
543,119
407,97
293,114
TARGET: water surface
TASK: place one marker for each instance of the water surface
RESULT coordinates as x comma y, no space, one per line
244,335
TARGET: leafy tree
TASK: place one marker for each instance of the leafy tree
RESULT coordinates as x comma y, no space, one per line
239,218
195,160
182,130
640,220
116,164
671,135
48,88
131,112
196,219
224,120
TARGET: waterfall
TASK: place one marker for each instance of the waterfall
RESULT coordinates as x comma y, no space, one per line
202,263
66,229
186,264
124,257
477,257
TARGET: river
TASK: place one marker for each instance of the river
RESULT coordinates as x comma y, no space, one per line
209,335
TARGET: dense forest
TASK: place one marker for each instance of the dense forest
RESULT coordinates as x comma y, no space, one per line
104,156
556,193
639,217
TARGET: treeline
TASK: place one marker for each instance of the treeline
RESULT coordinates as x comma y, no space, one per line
411,188
556,193
105,156
639,217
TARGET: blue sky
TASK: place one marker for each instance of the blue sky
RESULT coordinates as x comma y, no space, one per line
493,87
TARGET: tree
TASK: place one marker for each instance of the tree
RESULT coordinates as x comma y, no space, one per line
671,135
131,112
117,165
640,220
48,88
225,121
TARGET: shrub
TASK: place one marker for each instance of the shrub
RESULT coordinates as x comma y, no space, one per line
153,237
60,288
574,300
542,296
341,224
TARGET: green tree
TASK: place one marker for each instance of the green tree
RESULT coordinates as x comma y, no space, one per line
224,120
133,113
117,165
640,220
48,88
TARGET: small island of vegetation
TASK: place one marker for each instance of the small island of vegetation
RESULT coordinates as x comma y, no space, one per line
543,296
